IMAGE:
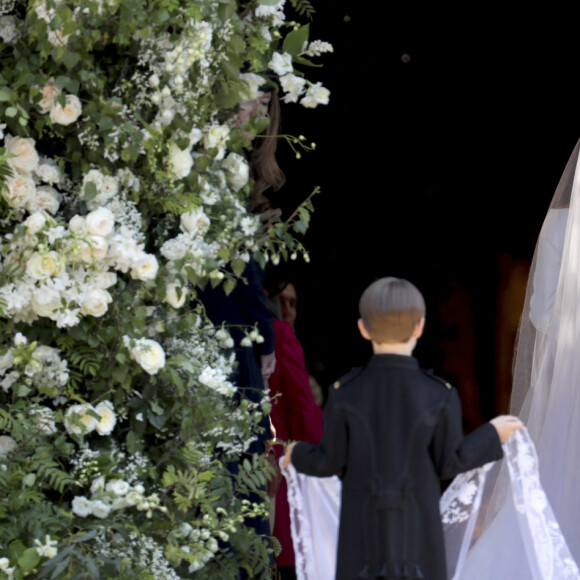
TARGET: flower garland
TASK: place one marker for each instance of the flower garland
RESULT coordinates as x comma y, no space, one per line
125,187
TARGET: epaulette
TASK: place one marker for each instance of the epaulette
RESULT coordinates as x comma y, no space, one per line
346,378
432,375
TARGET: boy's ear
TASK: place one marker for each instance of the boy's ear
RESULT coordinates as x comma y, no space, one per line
363,330
418,330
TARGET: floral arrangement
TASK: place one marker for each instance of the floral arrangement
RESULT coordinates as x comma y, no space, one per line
125,189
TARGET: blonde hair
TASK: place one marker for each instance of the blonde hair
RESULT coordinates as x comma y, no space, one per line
390,309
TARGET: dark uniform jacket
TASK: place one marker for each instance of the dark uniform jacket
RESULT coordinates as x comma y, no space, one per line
393,431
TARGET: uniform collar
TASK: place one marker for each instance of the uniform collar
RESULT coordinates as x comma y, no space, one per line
393,361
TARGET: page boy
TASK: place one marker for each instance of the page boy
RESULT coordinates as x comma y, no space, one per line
393,430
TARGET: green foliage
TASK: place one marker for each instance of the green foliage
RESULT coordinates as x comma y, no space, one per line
125,449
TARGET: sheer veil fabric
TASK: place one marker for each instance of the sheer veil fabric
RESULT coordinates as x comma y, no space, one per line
527,525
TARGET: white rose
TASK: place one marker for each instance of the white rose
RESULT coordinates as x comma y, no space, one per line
237,171
48,171
45,198
46,301
195,221
315,95
149,355
44,265
69,113
146,268
100,222
79,419
93,248
180,161
81,506
108,419
77,224
50,92
175,295
281,64
118,487
24,148
34,223
96,302
100,509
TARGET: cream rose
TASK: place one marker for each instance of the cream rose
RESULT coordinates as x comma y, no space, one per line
100,222
34,223
146,268
46,301
18,191
175,295
79,419
44,265
48,171
45,198
108,418
216,138
69,113
180,161
50,92
77,224
96,302
26,156
105,279
93,248
148,354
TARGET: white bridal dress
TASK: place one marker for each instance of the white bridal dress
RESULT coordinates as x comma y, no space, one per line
519,518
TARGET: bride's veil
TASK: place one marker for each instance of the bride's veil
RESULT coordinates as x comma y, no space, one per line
515,532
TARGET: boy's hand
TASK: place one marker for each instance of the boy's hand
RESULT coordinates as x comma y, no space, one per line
505,426
288,455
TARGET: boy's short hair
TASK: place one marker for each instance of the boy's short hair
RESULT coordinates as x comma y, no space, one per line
390,309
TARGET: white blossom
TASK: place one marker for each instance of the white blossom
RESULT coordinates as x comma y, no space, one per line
315,95
281,63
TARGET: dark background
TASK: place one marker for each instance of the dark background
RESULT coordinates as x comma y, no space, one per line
439,170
